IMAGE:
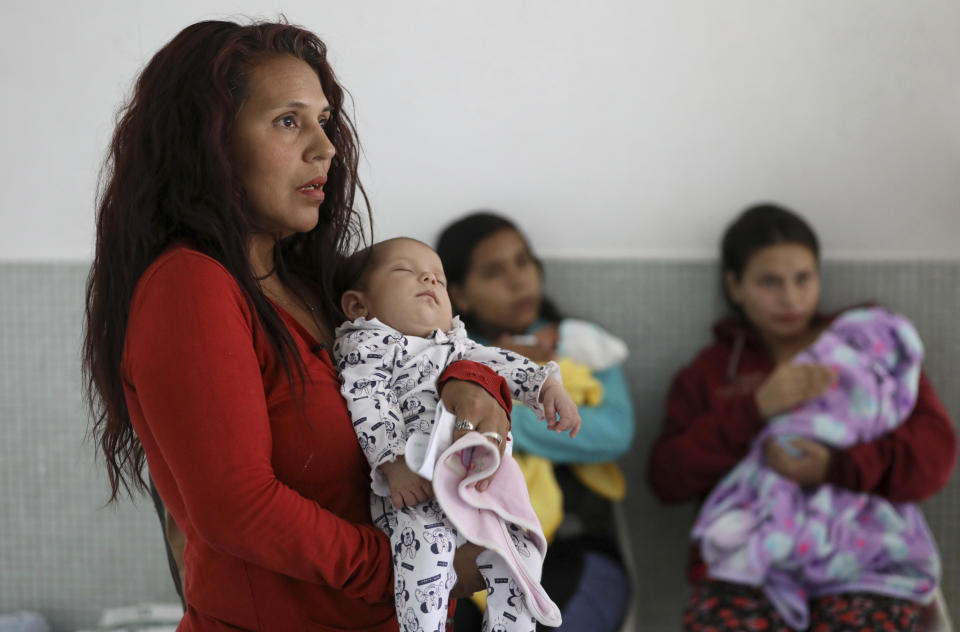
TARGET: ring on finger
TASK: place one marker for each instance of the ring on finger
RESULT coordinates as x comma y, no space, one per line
463,424
495,436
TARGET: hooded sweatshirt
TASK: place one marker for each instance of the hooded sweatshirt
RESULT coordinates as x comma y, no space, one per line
712,419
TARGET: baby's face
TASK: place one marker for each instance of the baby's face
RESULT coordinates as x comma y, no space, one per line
407,289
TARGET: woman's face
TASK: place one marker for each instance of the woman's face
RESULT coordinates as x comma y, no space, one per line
501,290
281,151
778,290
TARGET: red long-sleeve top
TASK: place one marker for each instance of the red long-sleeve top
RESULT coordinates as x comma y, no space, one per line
712,419
273,499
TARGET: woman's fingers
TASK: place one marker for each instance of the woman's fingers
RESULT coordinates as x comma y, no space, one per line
793,384
461,427
469,401
819,379
494,427
548,337
469,579
807,469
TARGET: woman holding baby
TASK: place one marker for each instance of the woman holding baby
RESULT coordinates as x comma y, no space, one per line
227,206
720,410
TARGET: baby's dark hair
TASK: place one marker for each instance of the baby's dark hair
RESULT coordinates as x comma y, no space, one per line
353,271
756,228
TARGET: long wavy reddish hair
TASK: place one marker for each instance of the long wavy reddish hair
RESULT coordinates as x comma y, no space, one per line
169,177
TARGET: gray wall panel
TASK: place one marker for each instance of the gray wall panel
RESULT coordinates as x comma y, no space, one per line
66,555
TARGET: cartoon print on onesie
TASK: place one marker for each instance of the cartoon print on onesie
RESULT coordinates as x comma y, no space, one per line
515,600
439,538
408,546
431,595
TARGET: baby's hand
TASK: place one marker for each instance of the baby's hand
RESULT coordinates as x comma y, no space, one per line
556,402
406,486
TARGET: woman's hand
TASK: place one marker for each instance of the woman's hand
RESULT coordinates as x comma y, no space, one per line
538,354
469,579
541,347
792,384
808,469
548,337
467,400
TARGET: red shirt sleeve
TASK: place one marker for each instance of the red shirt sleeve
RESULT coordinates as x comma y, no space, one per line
908,464
482,375
200,409
703,437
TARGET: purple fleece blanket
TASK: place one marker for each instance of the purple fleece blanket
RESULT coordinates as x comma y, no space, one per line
761,529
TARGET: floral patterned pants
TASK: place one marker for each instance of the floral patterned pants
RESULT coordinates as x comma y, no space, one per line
717,606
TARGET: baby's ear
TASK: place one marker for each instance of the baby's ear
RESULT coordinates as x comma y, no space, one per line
353,304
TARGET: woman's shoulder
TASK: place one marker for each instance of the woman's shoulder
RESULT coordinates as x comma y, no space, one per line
184,273
182,258
186,266
729,338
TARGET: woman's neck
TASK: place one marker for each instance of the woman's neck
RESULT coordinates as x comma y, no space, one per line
261,255
493,333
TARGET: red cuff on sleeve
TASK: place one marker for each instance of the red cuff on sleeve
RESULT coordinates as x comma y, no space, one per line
482,375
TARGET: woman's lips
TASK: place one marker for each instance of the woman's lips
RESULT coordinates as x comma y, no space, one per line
787,318
314,188
526,304
313,194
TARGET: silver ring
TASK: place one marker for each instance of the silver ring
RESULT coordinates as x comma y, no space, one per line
463,424
495,436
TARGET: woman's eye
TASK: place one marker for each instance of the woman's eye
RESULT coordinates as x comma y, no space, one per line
324,122
491,272
288,121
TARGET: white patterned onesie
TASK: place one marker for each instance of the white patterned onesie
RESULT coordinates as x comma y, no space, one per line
389,381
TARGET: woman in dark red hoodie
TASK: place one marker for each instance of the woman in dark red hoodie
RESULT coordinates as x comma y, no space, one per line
721,401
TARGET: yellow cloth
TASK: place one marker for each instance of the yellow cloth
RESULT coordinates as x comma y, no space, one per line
579,382
603,479
545,497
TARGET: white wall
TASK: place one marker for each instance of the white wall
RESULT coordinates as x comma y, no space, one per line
607,128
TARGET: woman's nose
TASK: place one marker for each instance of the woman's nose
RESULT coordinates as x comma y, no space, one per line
517,278
321,149
791,294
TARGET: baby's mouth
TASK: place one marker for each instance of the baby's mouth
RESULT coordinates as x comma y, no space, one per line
430,294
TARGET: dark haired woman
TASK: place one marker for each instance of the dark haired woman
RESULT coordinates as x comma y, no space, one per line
227,206
720,402
495,284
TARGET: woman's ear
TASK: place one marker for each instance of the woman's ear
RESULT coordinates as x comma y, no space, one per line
353,303
458,299
732,284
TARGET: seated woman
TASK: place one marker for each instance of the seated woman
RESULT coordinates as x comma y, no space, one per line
718,410
495,285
